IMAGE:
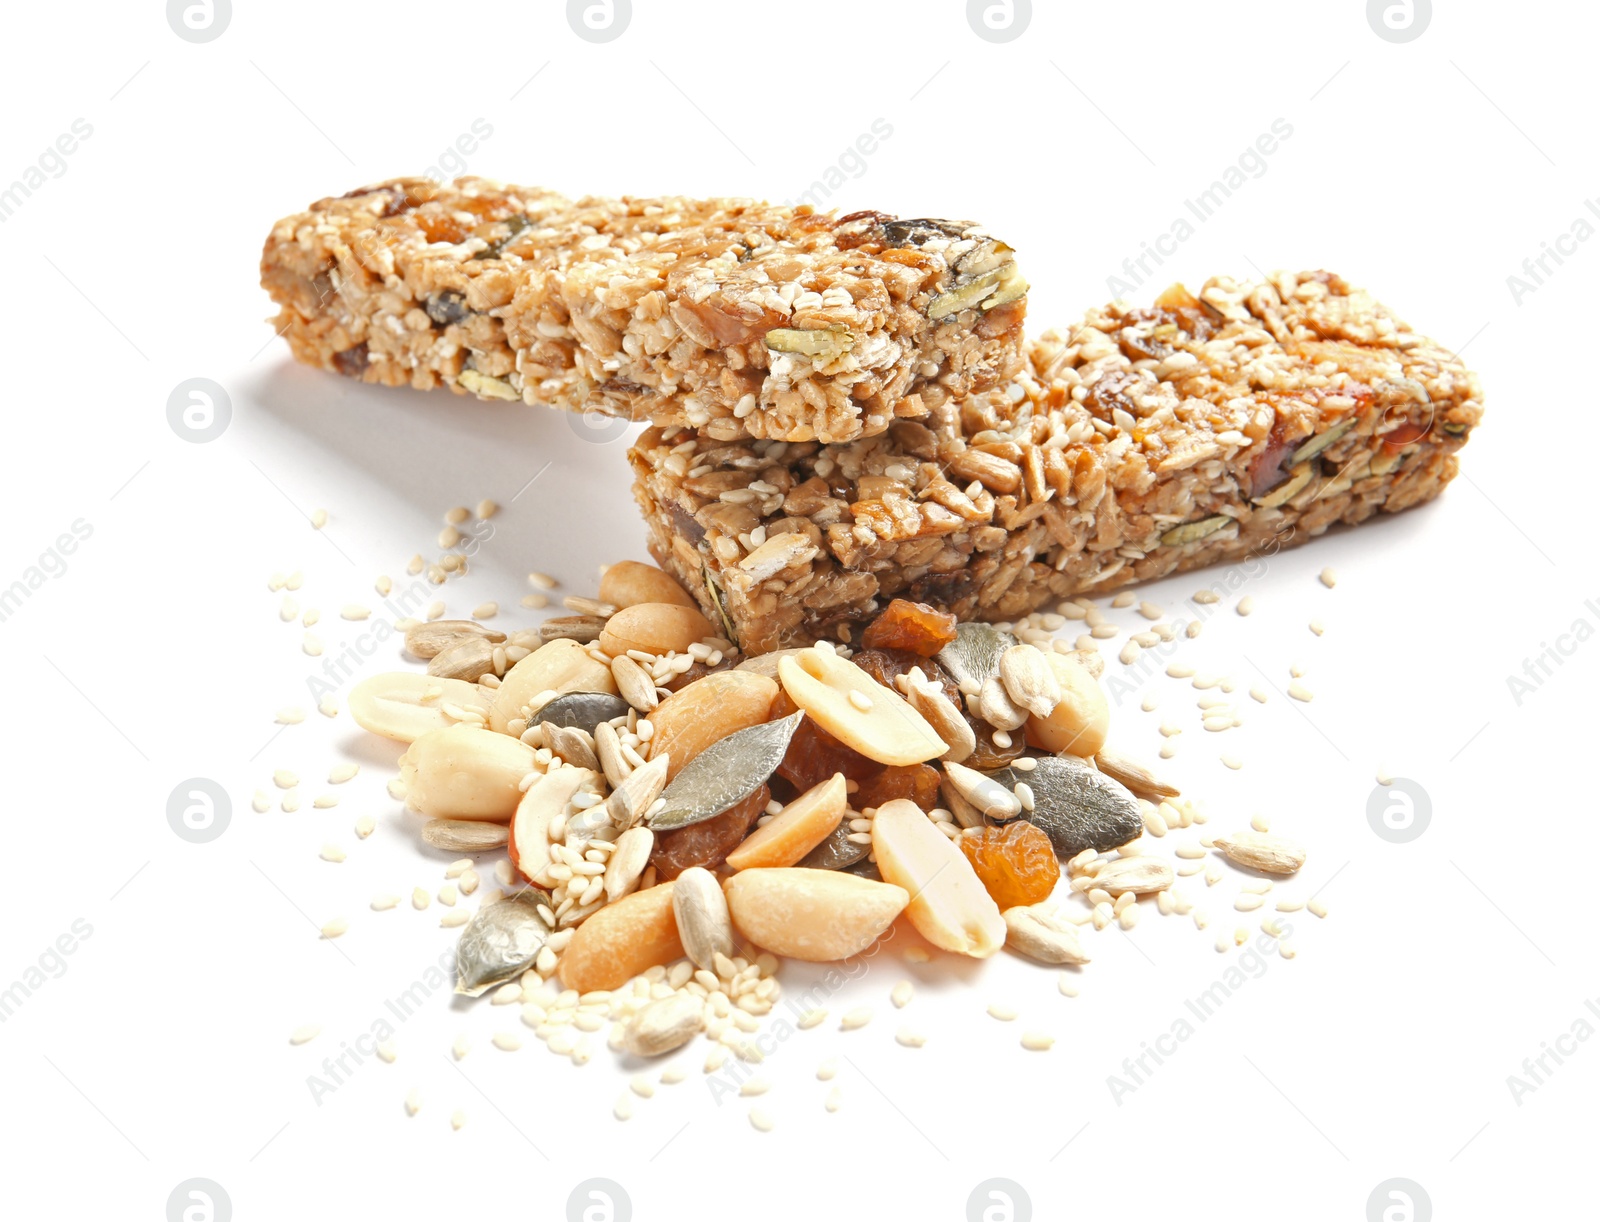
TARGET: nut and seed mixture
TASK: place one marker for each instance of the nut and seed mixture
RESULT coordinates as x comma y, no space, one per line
739,318
1200,430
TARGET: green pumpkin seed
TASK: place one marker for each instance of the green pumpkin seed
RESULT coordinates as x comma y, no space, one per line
837,852
1315,445
501,941
583,710
1193,532
724,774
1075,805
973,658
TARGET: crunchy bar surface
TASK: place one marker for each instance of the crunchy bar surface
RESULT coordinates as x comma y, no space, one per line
1145,441
738,318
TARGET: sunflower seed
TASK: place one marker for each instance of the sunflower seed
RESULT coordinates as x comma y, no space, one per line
724,774
997,708
571,744
701,911
627,862
1035,930
468,659
947,722
580,628
608,746
973,658
1029,680
1076,806
1261,851
637,688
426,640
501,941
664,1025
629,801
464,835
989,797
1134,876
1134,776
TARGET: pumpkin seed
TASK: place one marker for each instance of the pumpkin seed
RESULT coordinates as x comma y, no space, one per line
1193,532
1315,445
837,852
465,835
965,297
583,710
501,941
724,774
1285,491
1076,806
822,345
973,658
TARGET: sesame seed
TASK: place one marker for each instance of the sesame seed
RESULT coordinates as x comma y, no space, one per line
486,510
1233,761
623,1108
486,610
413,1102
907,1038
827,1069
340,773
319,519
1065,985
1316,627
304,1035
834,1099
333,853
382,903
543,581
420,898
1037,1041
1246,605
1002,1012
861,701
760,1121
1246,902
506,1041
811,1018
1316,908
856,1018
900,995
754,1086
1328,578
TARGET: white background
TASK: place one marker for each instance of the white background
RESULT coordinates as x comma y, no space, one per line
1427,171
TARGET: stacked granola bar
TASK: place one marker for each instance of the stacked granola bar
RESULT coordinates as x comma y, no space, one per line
1143,442
738,318
843,409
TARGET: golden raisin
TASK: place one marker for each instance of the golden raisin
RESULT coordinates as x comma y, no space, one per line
918,782
1014,861
915,627
887,665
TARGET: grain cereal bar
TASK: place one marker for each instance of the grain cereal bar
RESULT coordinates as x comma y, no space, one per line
735,318
1145,442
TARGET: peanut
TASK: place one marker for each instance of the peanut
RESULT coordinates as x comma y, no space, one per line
404,705
707,711
887,729
558,666
815,915
797,829
629,583
949,905
622,940
1080,720
657,628
464,772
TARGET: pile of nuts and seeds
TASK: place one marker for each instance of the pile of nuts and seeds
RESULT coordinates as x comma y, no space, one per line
677,819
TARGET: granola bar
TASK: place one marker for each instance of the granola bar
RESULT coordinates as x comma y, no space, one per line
1146,441
737,318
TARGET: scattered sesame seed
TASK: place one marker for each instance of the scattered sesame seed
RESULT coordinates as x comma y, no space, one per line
811,1018
1065,985
461,1047
623,1108
382,903
1328,578
304,1035
834,1099
760,1121
1246,605
1038,1041
413,1102
335,927
333,853
543,581
325,801
827,1069
1001,1011
457,1119
1316,627
1233,761
1299,691
900,995
290,715
420,898
907,1038
1316,908
319,519
856,1018
486,610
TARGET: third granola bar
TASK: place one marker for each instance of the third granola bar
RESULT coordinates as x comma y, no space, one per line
1145,442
